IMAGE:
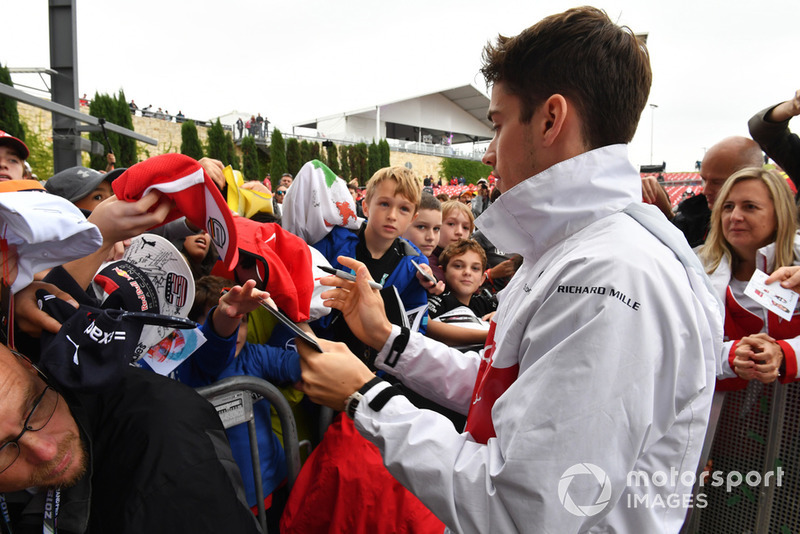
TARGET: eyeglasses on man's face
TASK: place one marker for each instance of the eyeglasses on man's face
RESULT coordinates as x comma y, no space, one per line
44,406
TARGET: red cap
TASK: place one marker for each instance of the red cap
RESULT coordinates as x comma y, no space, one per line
290,281
19,146
195,194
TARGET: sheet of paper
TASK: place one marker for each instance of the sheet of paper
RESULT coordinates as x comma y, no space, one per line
773,297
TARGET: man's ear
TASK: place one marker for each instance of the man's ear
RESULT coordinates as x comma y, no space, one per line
555,110
365,208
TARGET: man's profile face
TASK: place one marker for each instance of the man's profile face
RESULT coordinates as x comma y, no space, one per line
51,457
511,151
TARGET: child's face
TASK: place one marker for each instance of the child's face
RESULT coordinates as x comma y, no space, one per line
389,214
464,274
241,337
455,226
12,167
90,201
196,246
424,231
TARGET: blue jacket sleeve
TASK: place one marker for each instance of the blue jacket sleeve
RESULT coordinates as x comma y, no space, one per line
210,360
270,363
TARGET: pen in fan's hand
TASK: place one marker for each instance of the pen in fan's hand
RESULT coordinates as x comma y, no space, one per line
347,276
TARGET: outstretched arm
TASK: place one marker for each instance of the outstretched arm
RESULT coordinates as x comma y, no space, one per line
233,305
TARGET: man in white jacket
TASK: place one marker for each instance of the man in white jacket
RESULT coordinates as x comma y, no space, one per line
588,406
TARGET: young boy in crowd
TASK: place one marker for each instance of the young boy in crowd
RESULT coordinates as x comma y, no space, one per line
457,224
86,188
424,234
13,154
424,231
390,205
226,353
464,265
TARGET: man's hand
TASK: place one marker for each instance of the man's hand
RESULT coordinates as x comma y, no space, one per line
785,110
789,277
361,306
234,304
27,314
331,376
654,193
119,220
255,185
213,168
758,357
504,269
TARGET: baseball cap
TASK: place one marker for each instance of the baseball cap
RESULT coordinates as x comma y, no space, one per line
195,194
93,346
151,277
46,230
9,140
76,183
280,263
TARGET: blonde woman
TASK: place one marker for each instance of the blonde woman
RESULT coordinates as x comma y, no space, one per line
753,226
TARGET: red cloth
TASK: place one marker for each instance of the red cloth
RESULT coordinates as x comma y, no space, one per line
290,282
345,488
195,194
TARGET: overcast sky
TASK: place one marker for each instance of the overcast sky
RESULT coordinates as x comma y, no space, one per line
714,63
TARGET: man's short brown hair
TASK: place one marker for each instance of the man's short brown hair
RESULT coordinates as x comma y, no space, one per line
601,68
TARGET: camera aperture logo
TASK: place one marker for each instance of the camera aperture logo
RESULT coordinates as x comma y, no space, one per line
584,510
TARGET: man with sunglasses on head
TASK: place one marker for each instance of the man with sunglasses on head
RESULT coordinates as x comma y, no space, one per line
147,455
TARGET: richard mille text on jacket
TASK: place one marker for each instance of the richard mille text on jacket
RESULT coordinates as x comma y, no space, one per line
600,290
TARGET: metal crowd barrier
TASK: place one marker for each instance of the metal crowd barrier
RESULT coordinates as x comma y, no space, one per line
233,399
755,453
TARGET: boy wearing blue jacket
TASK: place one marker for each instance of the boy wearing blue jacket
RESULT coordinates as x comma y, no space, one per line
226,353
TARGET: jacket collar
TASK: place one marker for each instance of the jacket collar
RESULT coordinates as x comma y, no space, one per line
561,200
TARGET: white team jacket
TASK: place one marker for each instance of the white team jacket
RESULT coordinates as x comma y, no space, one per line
600,363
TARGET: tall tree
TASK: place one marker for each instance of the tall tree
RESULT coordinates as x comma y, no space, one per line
385,153
9,115
344,159
305,153
231,157
315,151
374,158
102,107
190,140
277,153
333,158
127,145
293,162
250,168
358,162
115,110
264,163
216,142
